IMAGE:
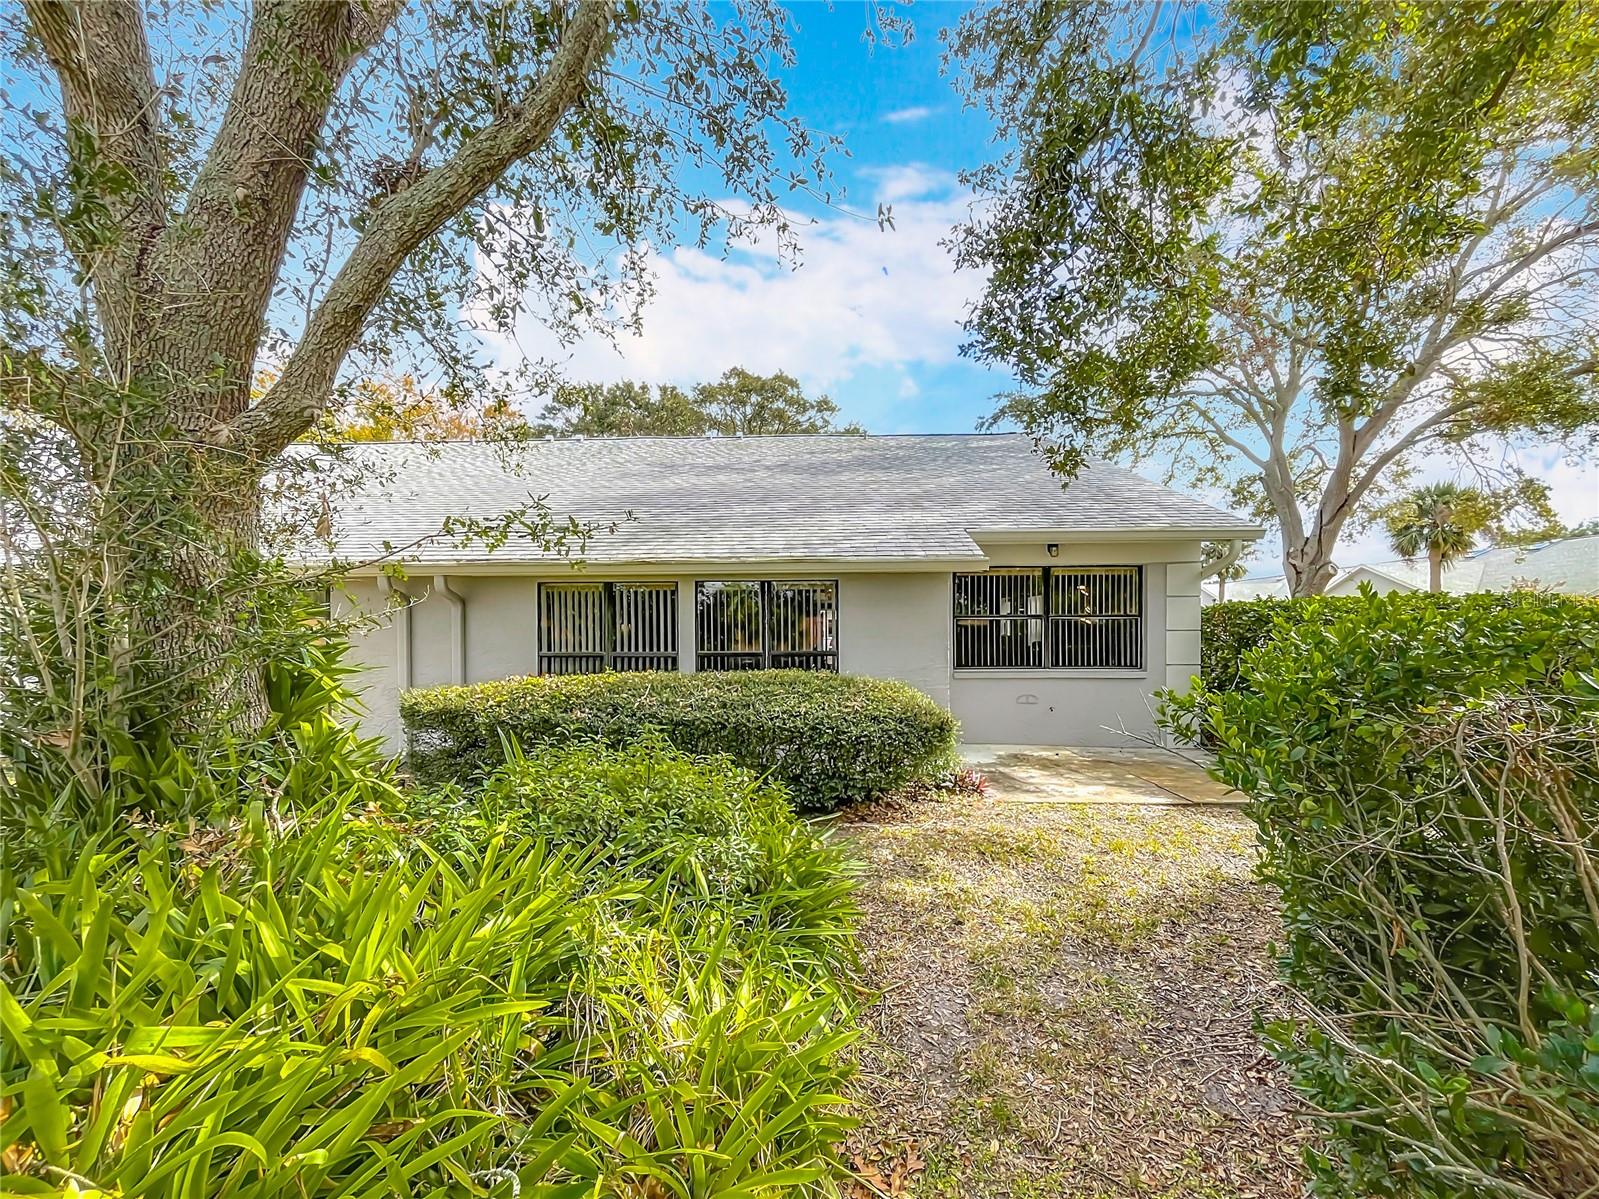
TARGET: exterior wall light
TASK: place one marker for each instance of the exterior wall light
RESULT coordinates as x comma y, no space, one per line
1054,549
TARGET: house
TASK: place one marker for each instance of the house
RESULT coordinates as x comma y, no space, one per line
1569,566
958,563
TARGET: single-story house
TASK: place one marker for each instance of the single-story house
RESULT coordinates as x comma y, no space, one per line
1039,614
1569,566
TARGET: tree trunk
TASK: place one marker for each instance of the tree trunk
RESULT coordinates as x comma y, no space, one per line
191,590
1435,569
1308,567
174,447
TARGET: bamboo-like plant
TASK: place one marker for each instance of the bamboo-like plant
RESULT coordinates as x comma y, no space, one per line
336,1007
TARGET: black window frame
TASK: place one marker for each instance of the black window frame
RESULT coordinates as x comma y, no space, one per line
1052,623
609,657
766,658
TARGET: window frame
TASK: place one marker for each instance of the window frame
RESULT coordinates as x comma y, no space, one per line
1049,619
609,655
827,660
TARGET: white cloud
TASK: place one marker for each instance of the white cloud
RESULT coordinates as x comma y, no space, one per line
861,298
906,116
909,181
1573,491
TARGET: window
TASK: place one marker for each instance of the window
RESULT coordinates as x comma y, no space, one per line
754,626
1064,617
585,628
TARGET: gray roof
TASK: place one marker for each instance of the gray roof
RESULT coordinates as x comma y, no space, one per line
1570,565
846,497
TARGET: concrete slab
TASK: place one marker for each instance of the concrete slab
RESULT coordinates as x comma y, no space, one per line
1088,775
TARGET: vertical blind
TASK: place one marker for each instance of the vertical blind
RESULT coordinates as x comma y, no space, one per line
1033,617
585,628
746,625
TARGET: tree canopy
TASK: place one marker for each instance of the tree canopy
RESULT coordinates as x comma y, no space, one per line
328,192
1294,251
738,403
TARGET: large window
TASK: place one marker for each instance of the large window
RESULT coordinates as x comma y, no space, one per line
585,628
759,625
1057,617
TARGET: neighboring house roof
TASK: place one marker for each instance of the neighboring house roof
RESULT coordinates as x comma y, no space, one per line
1394,574
845,497
1569,566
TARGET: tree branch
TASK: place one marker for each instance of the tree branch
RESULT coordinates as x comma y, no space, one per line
230,243
101,58
402,223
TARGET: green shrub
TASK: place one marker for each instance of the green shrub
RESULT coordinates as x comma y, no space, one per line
304,752
648,806
1424,772
314,983
341,1008
643,805
827,738
1230,630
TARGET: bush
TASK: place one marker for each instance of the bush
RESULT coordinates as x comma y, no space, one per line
1424,772
305,755
647,806
318,984
343,1008
1230,630
827,738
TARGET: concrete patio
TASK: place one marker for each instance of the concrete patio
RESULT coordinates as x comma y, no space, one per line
1072,775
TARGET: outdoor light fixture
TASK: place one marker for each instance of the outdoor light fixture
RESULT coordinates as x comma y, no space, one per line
1054,549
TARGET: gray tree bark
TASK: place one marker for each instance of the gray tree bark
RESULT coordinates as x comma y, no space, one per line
181,295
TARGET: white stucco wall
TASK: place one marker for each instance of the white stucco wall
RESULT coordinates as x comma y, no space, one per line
1090,707
897,626
1350,583
891,625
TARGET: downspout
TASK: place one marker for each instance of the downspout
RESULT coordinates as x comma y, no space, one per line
1235,550
402,630
457,603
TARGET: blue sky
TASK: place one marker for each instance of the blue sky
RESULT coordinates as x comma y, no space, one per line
873,318
869,316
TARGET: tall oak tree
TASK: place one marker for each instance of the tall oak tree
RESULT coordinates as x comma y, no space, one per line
1293,250
193,193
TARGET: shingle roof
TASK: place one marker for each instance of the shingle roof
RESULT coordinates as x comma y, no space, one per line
825,497
1570,566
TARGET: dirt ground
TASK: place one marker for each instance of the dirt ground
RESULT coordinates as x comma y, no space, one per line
1067,1003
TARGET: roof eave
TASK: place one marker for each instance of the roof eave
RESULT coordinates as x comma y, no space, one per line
1243,532
726,567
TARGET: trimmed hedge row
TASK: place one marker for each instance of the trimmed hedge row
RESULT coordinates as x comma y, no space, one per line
828,738
1231,629
1424,772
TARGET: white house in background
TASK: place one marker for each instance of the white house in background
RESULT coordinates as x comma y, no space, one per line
1569,566
1038,614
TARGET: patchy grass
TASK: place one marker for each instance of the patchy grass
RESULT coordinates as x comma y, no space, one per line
1067,1008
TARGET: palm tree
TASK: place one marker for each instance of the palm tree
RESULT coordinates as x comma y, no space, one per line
1441,520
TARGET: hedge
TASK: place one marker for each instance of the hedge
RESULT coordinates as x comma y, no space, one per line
1231,629
1424,772
828,738
645,807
